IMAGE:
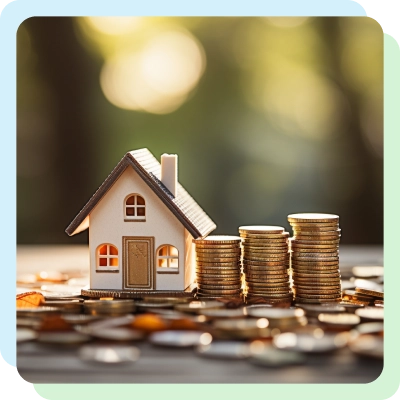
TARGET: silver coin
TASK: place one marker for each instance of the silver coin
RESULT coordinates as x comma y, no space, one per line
180,338
63,338
370,328
25,335
268,356
110,322
370,314
117,334
307,343
275,313
109,354
228,350
368,345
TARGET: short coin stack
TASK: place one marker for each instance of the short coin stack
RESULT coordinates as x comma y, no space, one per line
218,270
266,262
315,257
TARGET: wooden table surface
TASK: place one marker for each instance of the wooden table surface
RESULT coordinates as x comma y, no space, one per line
46,364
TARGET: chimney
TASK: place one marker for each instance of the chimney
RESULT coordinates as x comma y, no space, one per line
169,172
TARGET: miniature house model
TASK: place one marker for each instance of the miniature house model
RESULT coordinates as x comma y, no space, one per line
141,224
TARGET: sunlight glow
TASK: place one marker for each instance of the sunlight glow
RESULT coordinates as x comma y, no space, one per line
157,79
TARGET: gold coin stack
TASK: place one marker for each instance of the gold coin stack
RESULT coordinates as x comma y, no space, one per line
218,271
266,262
315,257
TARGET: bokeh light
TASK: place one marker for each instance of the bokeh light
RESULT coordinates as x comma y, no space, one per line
113,25
157,79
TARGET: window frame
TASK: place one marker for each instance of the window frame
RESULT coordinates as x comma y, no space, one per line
168,257
108,256
135,206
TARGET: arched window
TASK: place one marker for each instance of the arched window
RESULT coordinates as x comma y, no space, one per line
167,258
135,208
107,258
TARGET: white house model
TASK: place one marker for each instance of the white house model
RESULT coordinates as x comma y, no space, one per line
141,224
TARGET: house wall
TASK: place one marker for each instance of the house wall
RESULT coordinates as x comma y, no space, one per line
107,225
190,259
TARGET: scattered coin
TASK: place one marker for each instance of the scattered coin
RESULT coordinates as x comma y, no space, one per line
198,307
342,321
180,338
369,292
267,356
109,354
367,346
229,350
367,272
307,343
108,307
63,337
369,314
25,335
116,334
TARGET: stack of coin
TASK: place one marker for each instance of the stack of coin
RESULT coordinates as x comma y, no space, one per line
315,257
218,266
266,262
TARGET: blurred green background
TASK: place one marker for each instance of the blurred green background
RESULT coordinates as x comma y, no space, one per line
269,116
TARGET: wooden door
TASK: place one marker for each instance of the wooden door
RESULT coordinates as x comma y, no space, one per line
138,260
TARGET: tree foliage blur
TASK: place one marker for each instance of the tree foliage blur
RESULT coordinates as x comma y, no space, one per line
269,116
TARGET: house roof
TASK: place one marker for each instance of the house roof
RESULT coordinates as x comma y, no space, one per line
183,206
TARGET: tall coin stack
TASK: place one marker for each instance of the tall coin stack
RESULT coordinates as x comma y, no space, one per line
218,269
266,262
315,258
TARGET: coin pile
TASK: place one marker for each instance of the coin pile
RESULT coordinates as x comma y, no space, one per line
266,262
315,257
218,269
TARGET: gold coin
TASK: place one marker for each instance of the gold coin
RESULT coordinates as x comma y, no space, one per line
299,250
267,249
313,262
314,227
268,284
282,241
295,245
203,274
218,239
268,268
216,259
317,301
210,246
265,243
314,258
265,259
316,282
219,278
318,296
219,292
314,269
317,232
248,236
261,229
267,277
321,274
317,256
316,292
204,286
369,292
232,252
313,217
219,266
218,271
233,266
316,242
265,256
316,239
285,294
